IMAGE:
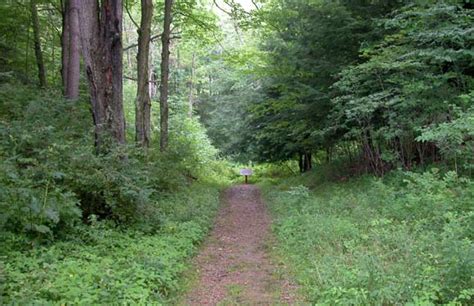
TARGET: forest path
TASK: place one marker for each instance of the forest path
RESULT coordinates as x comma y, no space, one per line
234,266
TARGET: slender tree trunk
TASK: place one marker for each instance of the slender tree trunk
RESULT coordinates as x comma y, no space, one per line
309,158
210,86
74,60
191,87
175,63
27,53
301,163
127,41
143,101
53,55
65,44
153,83
328,154
305,162
101,31
165,61
37,42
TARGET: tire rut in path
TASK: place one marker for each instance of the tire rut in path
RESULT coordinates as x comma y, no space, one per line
233,265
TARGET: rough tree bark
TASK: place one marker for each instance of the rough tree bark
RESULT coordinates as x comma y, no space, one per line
165,59
143,101
74,60
65,44
37,42
101,31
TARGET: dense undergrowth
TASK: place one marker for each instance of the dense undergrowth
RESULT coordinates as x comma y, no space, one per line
100,263
403,239
80,227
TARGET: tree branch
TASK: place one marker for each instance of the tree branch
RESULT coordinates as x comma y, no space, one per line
134,79
153,38
223,10
202,25
130,16
255,4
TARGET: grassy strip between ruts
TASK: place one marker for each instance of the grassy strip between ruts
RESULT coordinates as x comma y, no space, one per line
104,264
404,239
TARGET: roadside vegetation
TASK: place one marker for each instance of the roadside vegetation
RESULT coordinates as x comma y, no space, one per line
406,237
85,228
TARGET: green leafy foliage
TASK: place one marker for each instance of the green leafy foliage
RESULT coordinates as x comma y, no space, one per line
307,43
54,177
17,57
414,78
78,227
34,197
379,80
81,227
455,138
222,110
384,84
405,239
100,263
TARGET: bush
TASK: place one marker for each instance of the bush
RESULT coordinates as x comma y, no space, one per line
37,134
406,239
103,264
53,177
77,227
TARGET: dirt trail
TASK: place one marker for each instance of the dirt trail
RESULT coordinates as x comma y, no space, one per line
234,266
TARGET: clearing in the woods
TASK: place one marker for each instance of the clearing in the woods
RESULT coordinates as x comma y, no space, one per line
234,265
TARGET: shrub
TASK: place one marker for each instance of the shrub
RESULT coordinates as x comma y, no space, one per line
103,264
406,239
51,176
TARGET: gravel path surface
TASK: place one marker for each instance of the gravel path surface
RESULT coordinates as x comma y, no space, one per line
233,265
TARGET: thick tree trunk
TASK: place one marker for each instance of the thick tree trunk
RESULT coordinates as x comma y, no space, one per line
100,31
165,61
37,42
143,101
74,60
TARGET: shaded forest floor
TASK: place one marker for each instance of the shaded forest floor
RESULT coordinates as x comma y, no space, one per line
234,265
